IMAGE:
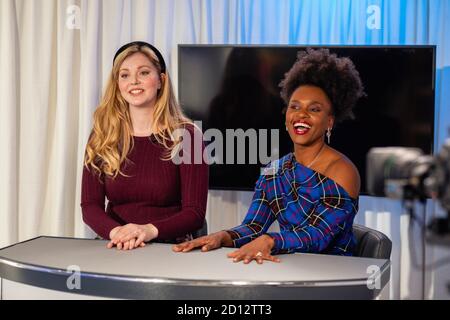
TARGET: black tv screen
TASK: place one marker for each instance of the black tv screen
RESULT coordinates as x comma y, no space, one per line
232,87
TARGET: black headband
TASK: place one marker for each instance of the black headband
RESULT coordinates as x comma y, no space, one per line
143,44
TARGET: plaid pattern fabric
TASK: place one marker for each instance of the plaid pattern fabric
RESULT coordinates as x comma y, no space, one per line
315,214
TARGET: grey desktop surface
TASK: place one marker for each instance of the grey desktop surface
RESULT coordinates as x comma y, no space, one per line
159,261
156,270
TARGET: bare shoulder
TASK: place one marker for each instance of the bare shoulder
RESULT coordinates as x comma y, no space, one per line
344,172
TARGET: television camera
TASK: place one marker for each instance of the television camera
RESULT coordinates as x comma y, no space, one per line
408,174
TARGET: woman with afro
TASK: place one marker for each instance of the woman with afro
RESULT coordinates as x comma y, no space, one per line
313,191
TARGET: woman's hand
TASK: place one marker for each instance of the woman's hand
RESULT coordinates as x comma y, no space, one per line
258,249
131,236
209,242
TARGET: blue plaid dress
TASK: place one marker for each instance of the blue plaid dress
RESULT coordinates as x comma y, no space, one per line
315,214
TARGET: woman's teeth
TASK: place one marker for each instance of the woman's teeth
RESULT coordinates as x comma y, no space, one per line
301,128
136,91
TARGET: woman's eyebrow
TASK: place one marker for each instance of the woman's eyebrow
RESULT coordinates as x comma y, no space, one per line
310,102
143,66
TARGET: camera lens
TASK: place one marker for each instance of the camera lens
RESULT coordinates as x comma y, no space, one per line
389,170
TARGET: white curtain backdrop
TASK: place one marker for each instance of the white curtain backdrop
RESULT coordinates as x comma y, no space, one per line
55,56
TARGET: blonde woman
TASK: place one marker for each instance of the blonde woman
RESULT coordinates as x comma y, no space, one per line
129,158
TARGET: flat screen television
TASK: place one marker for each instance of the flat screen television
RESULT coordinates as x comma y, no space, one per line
232,87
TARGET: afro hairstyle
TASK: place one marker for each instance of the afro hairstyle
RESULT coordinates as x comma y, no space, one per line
337,77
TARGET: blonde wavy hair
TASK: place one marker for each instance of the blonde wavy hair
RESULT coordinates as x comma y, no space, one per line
111,137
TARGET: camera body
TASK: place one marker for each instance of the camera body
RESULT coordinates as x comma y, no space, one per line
408,174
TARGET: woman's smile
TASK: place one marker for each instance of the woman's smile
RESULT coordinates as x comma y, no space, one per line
301,127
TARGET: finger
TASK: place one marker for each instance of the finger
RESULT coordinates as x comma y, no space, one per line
247,259
259,260
132,242
126,245
207,247
189,245
110,245
142,244
180,246
233,254
139,240
192,245
211,245
119,246
273,259
238,258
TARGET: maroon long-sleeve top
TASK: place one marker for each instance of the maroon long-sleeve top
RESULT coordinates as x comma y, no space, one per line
172,197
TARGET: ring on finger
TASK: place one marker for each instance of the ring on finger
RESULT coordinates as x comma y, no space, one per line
259,254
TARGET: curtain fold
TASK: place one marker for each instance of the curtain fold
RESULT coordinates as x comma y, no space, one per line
9,123
53,77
